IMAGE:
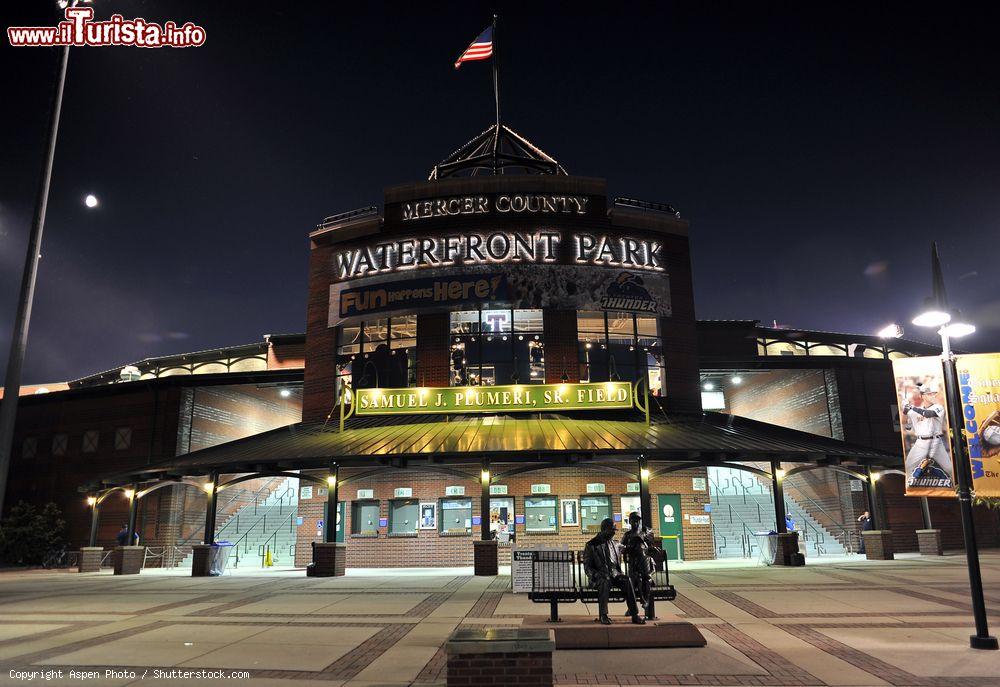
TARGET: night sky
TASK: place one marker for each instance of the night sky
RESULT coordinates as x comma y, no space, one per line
816,148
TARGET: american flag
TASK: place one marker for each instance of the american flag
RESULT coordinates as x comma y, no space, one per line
480,49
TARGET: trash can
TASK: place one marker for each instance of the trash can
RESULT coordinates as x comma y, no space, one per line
767,547
219,557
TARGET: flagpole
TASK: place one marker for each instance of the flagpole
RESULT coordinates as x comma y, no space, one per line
496,96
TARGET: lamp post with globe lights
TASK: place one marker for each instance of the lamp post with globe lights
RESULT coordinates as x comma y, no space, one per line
950,325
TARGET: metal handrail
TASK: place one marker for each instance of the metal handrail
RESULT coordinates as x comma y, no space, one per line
244,539
235,496
288,493
716,536
848,534
272,541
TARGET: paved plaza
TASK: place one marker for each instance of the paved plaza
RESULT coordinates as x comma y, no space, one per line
845,622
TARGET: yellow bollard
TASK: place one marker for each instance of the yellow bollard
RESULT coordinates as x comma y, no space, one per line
268,559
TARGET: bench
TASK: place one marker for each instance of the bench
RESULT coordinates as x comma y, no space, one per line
559,577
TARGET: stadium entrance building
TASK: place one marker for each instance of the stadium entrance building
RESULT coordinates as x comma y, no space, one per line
499,356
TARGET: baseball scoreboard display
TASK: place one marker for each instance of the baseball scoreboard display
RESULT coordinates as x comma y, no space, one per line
923,407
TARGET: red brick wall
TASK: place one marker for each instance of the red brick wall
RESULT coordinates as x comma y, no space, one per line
319,392
433,349
431,549
562,350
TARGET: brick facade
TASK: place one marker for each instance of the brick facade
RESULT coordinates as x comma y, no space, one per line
432,549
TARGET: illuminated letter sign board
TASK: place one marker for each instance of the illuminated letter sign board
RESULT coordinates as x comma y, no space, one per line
494,399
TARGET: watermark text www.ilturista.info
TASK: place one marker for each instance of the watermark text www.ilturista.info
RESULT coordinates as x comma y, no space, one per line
80,29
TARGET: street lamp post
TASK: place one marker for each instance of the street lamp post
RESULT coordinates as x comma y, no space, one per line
937,314
19,334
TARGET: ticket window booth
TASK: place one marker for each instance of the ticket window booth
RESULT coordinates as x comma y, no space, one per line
541,514
502,519
364,518
456,516
403,517
593,510
631,504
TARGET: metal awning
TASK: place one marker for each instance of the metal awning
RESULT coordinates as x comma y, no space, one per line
709,437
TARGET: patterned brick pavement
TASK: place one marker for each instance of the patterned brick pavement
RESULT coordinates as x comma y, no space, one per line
756,635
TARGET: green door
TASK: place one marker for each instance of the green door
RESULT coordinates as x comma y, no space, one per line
341,509
671,532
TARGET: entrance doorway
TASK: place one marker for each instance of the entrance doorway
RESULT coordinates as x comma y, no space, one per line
671,532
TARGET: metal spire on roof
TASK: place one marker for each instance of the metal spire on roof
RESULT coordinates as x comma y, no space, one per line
497,150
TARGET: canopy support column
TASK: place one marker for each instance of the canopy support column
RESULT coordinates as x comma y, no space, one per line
128,559
332,504
778,489
485,555
645,501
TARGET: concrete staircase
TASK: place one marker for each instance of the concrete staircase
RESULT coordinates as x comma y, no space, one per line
742,505
268,524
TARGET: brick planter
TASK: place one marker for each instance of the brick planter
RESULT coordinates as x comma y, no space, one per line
485,558
929,542
200,559
787,549
519,656
129,559
90,558
329,560
878,545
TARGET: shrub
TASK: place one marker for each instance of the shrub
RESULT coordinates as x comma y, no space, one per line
27,535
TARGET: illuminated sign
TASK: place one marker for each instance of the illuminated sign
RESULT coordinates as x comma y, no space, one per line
483,248
503,204
493,399
420,293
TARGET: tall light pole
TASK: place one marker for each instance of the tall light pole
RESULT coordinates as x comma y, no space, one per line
949,324
19,334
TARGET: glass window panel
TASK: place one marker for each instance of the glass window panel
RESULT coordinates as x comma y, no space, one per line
502,515
590,321
873,353
375,334
465,322
404,327
364,517
350,339
896,355
540,514
785,348
403,515
495,321
647,326
593,509
456,515
527,320
826,349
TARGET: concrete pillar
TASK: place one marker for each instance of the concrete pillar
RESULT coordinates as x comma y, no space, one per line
878,545
929,542
90,558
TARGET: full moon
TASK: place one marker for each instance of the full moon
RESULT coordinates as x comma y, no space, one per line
90,200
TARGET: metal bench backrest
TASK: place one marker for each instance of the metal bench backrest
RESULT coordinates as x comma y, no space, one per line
553,571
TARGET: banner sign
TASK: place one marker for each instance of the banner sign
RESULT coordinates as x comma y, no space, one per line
568,287
494,399
979,384
924,426
422,293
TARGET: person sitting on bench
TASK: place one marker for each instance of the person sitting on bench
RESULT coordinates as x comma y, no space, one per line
602,563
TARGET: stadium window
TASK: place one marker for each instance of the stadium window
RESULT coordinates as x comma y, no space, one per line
123,438
496,347
29,447
378,353
59,444
90,440
620,346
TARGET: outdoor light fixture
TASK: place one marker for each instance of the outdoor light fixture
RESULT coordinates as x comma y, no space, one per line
876,476
736,380
285,393
932,315
779,473
485,476
331,481
208,487
708,386
644,473
959,326
890,331
91,501
129,493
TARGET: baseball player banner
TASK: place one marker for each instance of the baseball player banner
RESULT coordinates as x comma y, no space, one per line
979,384
924,424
